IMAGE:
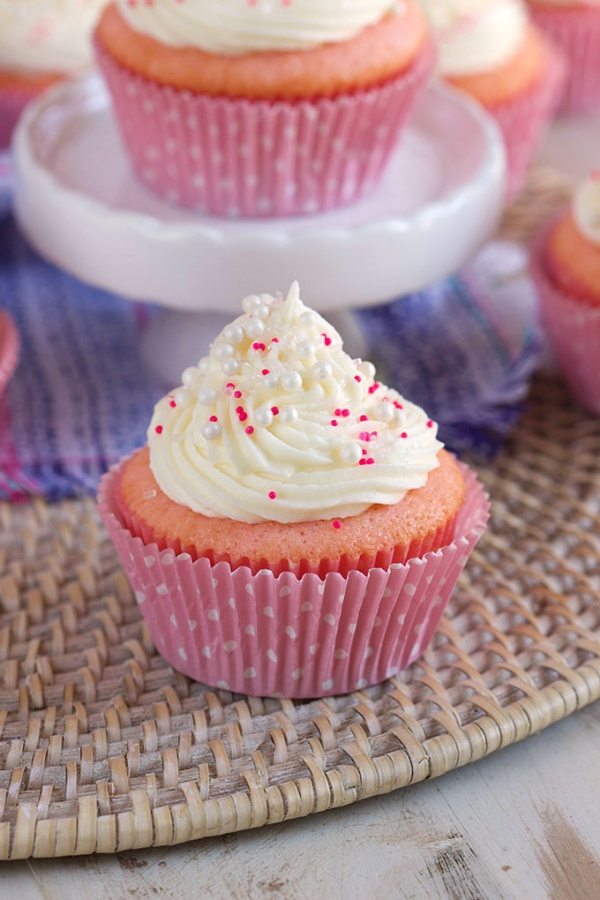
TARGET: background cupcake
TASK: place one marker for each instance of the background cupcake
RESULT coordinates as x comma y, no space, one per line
261,109
41,41
574,26
294,526
489,49
566,265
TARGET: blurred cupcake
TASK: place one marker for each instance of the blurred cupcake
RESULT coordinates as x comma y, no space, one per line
566,267
489,49
574,26
41,41
263,108
9,349
294,526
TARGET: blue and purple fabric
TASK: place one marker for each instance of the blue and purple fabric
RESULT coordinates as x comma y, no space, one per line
82,395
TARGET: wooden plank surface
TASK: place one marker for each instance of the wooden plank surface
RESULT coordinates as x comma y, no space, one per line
524,823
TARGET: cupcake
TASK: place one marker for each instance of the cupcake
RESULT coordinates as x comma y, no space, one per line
9,349
262,109
574,26
293,526
566,267
489,49
41,41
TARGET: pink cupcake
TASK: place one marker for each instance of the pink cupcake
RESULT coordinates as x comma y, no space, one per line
490,50
262,109
41,42
574,26
566,268
9,349
293,527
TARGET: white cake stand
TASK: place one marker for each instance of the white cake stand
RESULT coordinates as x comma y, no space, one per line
82,208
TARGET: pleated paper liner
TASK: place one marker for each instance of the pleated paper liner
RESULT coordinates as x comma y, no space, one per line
9,349
104,747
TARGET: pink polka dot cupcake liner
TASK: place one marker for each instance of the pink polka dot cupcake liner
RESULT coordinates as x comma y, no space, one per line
573,329
268,635
244,158
523,121
9,349
576,32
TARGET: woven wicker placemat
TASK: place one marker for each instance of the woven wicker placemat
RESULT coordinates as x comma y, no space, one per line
103,747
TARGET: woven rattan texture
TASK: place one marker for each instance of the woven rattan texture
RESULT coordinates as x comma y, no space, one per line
104,748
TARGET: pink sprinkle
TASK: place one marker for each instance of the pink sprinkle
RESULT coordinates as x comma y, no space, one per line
345,413
358,378
272,495
364,436
258,345
213,419
363,418
333,423
230,385
275,340
374,387
430,423
242,416
404,435
172,404
362,462
275,410
364,451
266,372
159,429
336,523
326,339
370,461
239,409
249,430
338,412
237,395
398,405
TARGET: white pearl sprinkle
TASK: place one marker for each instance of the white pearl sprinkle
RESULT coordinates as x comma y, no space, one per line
263,417
291,381
262,311
305,349
271,381
180,396
289,415
384,412
367,369
322,370
223,351
398,415
351,453
203,365
230,367
211,431
189,377
254,328
234,334
206,396
308,317
250,303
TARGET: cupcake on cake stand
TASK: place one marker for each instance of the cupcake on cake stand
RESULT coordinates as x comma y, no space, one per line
81,206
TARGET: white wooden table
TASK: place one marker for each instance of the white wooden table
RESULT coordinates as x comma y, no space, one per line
523,823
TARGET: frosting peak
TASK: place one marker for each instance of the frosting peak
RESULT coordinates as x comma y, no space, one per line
279,424
586,207
476,36
238,26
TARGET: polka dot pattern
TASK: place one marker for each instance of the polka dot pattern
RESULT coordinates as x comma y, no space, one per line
287,635
249,158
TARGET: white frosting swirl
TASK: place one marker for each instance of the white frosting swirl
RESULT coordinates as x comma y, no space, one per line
238,26
47,36
586,207
279,424
476,36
